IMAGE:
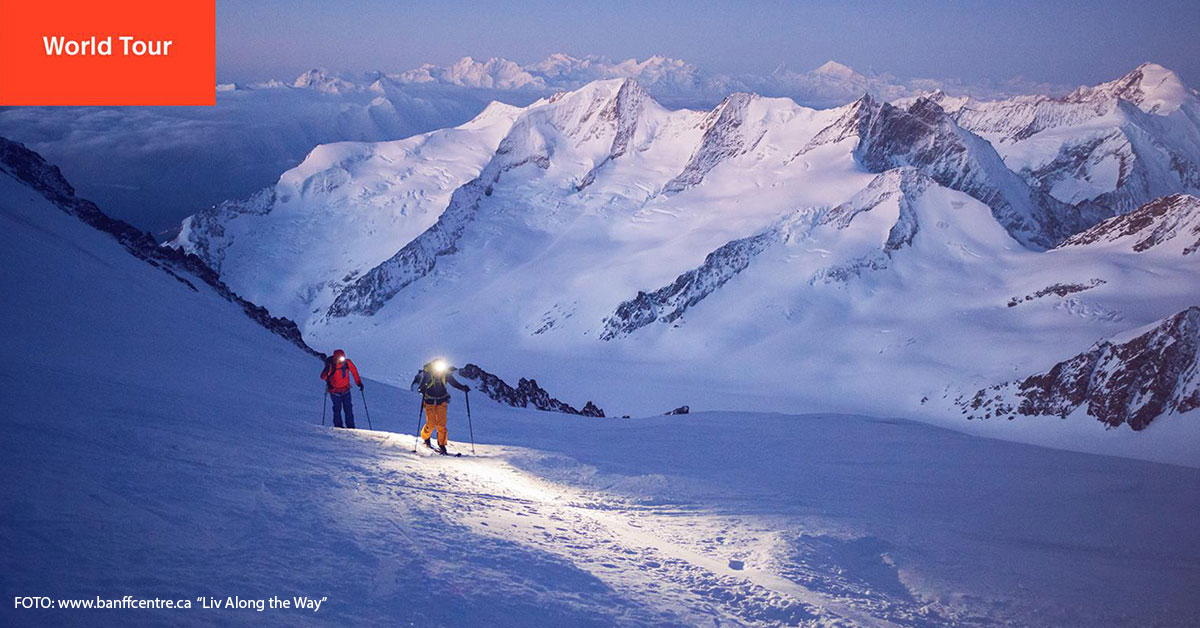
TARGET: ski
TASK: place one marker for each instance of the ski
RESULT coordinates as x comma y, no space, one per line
435,450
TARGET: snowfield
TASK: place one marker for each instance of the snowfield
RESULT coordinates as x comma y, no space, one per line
159,443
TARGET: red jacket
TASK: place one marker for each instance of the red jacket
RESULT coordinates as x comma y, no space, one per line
337,372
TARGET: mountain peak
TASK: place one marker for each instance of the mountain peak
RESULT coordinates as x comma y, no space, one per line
495,110
322,80
1150,86
606,89
832,68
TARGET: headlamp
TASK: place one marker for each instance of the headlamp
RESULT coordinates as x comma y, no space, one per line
440,366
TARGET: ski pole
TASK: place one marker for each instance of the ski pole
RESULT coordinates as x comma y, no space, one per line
420,415
469,426
368,410
324,404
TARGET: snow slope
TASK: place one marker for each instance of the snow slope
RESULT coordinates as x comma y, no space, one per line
158,443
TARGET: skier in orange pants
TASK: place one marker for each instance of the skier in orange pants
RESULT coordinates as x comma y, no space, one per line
433,379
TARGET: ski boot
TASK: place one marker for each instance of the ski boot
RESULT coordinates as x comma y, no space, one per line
442,450
427,444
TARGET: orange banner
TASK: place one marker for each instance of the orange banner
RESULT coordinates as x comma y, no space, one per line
115,52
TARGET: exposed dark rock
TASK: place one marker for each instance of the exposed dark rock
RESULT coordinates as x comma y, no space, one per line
723,138
679,410
1151,225
526,394
417,259
925,138
1059,289
624,112
591,409
31,169
203,233
1153,154
667,304
1132,383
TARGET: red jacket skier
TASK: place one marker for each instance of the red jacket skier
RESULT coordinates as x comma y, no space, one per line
337,372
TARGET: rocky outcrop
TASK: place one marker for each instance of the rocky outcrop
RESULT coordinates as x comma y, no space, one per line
723,138
1132,383
905,185
1174,218
928,140
203,233
526,394
624,113
678,411
31,169
366,295
668,303
1119,144
1058,289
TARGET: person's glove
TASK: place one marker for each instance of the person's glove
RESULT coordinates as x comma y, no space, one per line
360,386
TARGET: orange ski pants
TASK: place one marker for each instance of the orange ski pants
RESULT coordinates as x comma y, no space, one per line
435,419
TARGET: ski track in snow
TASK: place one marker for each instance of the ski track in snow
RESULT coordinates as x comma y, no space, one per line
694,566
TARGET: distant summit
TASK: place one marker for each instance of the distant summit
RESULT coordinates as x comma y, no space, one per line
1153,88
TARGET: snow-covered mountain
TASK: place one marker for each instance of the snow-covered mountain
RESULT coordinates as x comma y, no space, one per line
1110,148
867,258
153,166
674,80
677,83
923,136
1153,376
159,445
342,212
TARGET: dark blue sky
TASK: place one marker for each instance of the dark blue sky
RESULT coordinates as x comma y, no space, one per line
1067,42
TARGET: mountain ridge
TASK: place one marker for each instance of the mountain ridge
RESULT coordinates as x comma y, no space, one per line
31,169
888,242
